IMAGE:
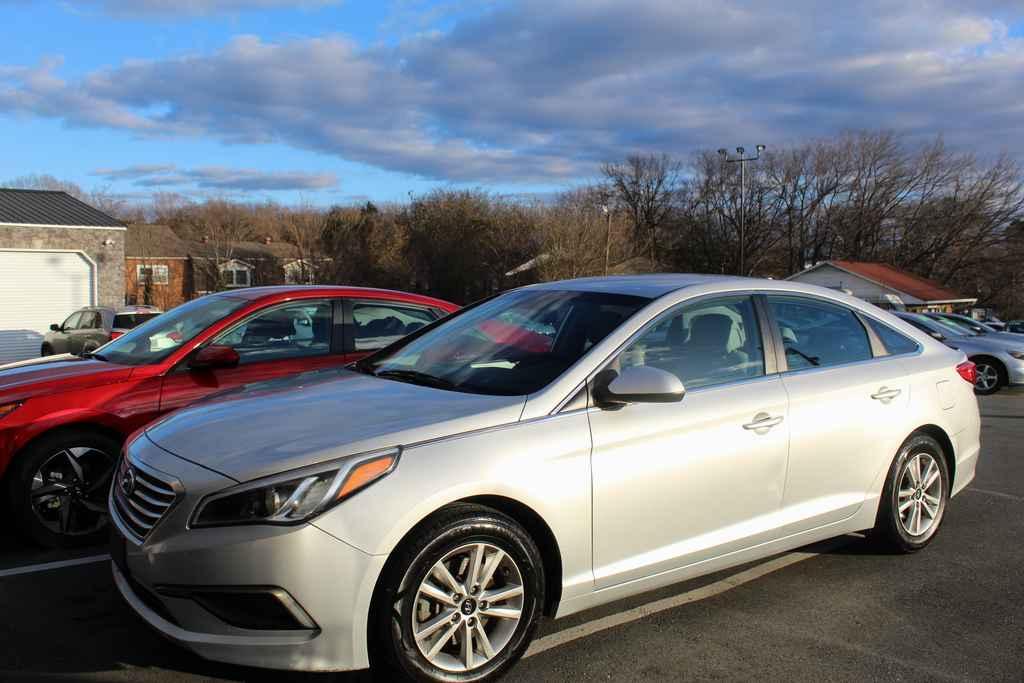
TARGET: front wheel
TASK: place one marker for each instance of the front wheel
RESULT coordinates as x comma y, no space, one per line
915,496
461,598
989,377
58,487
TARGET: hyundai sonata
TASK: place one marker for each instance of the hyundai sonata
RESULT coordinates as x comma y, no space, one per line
539,453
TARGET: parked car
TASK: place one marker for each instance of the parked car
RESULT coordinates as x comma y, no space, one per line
421,510
974,326
998,362
1015,326
91,327
63,418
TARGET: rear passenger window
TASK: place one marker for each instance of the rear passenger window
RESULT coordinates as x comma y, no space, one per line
894,342
375,325
816,333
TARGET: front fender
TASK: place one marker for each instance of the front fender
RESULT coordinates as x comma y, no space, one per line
29,427
543,464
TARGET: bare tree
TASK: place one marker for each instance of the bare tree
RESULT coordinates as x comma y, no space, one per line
647,186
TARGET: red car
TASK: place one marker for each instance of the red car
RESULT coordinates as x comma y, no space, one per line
63,418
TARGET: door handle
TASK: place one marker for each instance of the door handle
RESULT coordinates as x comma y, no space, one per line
885,394
763,421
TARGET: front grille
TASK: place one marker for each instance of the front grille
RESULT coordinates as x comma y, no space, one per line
141,498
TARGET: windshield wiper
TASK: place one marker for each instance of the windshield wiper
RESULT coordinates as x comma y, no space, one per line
415,377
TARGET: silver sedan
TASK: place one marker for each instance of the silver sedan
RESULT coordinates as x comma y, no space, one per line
540,453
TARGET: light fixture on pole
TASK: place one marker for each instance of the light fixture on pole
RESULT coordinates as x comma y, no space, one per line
742,161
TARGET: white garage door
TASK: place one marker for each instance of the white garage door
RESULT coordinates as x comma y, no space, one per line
38,288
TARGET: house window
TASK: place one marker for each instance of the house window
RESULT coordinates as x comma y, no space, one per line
236,274
298,272
155,274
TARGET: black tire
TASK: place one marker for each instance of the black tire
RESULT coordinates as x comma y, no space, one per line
890,529
983,362
45,451
393,646
46,350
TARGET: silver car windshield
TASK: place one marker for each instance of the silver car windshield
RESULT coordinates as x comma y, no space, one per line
512,345
952,326
154,340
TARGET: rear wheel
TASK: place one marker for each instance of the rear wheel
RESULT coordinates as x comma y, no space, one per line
915,496
460,600
46,350
58,488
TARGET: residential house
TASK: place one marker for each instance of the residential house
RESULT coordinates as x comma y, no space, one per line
158,268
165,270
885,285
57,254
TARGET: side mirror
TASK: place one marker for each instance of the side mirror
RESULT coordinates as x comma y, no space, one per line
55,327
640,384
214,356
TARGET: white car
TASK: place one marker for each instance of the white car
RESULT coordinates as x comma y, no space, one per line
543,452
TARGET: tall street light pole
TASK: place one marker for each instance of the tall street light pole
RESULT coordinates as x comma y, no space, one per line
742,161
607,235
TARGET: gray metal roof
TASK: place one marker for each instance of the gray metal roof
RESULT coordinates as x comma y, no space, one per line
651,286
48,207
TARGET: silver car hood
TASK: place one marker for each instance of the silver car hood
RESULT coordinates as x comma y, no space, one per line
1004,340
981,344
274,426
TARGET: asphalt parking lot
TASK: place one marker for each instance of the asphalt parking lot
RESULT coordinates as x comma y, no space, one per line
836,611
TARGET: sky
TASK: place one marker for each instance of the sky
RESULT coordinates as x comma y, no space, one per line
339,101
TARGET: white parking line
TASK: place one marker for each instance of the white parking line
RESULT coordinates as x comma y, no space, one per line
728,583
998,494
47,566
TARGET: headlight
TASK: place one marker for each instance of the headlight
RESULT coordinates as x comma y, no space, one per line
1019,355
295,496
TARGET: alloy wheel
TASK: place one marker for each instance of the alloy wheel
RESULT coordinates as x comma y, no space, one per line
69,490
987,377
920,494
468,607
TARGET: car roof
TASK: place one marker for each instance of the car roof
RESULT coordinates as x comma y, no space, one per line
284,292
141,308
651,286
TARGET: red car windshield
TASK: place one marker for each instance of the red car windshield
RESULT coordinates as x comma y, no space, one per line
158,338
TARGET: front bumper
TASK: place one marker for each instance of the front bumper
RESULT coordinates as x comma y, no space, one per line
1015,372
329,580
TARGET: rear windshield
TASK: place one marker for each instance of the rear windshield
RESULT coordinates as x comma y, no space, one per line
126,321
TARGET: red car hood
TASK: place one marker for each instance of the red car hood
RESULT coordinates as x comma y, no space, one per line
56,374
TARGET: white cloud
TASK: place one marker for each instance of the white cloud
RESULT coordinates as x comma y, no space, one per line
177,8
218,178
543,91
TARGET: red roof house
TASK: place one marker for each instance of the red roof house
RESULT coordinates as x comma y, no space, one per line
884,285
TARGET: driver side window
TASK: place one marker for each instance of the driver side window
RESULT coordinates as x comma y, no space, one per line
703,344
71,323
293,331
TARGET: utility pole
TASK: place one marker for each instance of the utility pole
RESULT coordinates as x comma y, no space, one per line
607,235
742,161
